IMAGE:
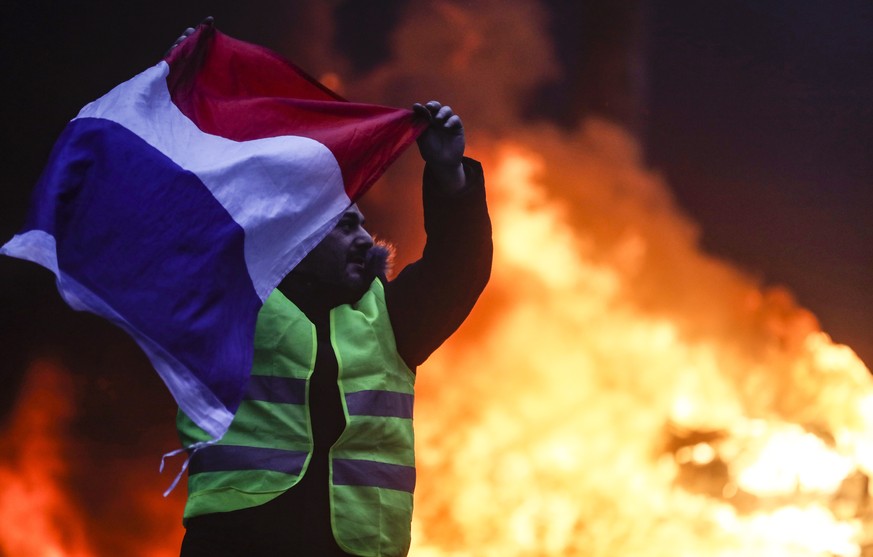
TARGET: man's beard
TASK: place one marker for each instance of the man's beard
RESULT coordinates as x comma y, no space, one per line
377,263
379,260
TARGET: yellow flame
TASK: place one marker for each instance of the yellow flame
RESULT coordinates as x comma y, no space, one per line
546,427
790,460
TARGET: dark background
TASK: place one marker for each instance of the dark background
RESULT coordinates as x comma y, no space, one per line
758,114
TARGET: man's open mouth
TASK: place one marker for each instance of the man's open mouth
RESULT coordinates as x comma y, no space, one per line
358,259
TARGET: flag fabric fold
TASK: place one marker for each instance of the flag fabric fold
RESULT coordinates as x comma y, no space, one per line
174,204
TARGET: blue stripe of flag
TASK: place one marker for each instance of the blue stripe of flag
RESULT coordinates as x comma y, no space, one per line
123,214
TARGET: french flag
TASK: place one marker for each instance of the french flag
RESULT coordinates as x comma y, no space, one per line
175,204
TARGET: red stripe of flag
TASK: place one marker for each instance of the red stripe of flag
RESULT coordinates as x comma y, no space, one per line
242,92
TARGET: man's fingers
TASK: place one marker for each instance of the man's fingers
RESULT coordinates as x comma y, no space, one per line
443,114
185,34
438,115
208,20
454,123
422,111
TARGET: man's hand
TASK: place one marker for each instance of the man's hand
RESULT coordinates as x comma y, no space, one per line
187,33
442,144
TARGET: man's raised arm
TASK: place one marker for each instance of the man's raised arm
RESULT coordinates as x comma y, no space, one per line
430,298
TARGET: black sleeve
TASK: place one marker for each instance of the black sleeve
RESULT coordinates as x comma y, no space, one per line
431,297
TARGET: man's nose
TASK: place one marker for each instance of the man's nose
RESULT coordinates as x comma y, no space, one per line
363,240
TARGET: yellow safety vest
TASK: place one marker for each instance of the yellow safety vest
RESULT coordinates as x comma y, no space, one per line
269,444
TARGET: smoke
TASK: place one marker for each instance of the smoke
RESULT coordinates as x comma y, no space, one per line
484,58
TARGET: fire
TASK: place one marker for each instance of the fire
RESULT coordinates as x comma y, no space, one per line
42,513
596,403
36,516
615,391
578,413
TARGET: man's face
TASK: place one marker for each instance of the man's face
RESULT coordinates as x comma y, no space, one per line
339,260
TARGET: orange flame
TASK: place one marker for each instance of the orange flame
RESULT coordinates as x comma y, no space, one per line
615,391
597,402
579,414
40,514
36,516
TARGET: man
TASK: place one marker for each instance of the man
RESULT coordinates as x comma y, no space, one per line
319,459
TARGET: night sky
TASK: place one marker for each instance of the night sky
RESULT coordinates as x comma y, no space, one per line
757,114
761,117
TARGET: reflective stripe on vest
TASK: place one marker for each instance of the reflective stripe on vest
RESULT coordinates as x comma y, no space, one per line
268,447
373,462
